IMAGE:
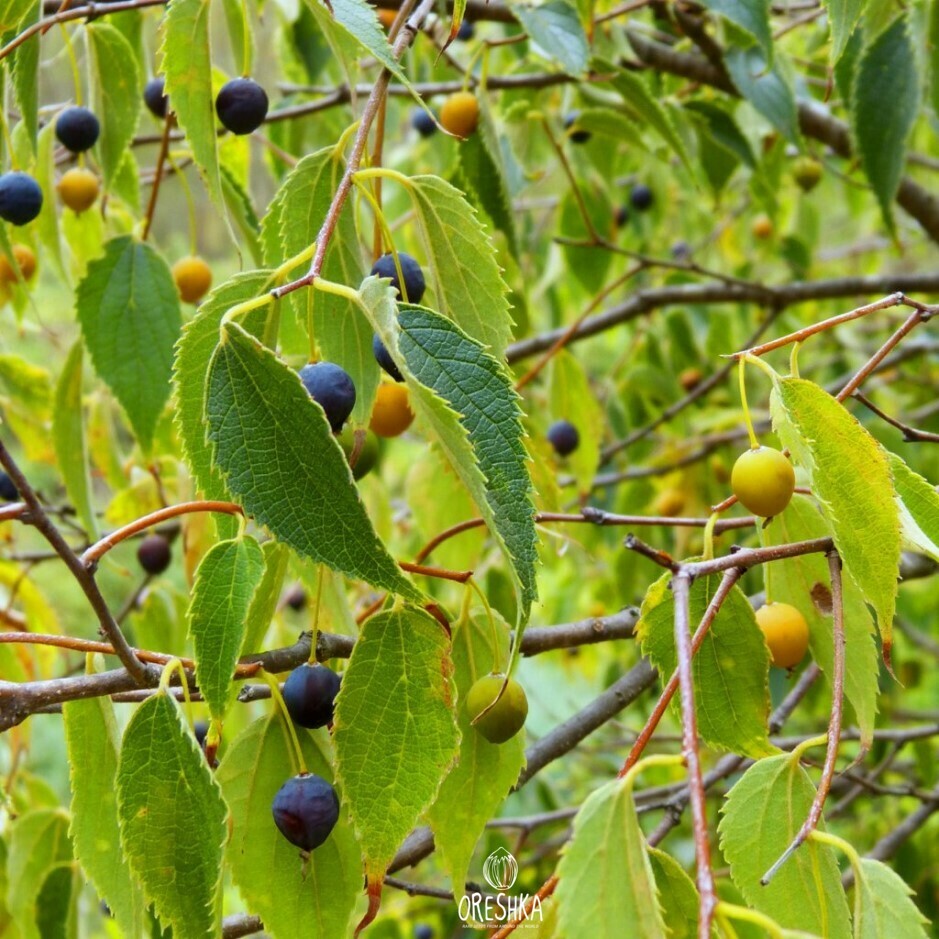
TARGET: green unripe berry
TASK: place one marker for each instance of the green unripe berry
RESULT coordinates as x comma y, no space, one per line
763,480
368,455
807,172
506,717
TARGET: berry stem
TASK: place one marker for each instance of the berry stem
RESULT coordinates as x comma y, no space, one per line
315,631
245,40
748,419
174,665
794,360
492,620
708,554
727,911
73,63
291,731
767,568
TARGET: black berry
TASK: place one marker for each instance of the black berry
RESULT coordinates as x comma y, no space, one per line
305,810
564,437
154,554
423,931
8,490
414,284
466,31
422,122
20,198
77,129
200,729
310,694
295,598
576,134
384,359
241,105
332,389
154,97
681,251
641,197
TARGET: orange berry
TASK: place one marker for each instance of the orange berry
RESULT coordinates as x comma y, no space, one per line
392,414
690,378
78,188
786,633
460,114
193,278
387,17
25,261
762,227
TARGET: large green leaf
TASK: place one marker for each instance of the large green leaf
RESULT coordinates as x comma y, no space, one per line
11,14
278,455
605,878
264,601
678,895
92,738
761,816
38,845
467,399
766,88
225,582
730,669
919,508
556,29
25,73
462,265
395,732
751,16
485,772
843,15
884,107
883,908
128,308
173,819
68,437
292,898
116,95
798,581
186,58
850,478
193,353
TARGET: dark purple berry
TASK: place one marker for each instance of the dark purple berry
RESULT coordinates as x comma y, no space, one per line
200,729
564,437
310,695
77,129
423,123
414,284
154,97
384,359
295,598
332,389
466,31
241,105
154,554
575,133
641,197
681,251
8,490
305,810
20,198
423,931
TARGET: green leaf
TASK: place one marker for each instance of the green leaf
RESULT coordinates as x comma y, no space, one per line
193,353
25,73
843,15
173,818
68,436
115,95
919,508
884,107
292,898
761,816
886,71
883,908
556,29
678,895
485,772
604,877
730,669
12,13
850,477
38,843
462,266
572,399
798,580
186,58
765,88
468,401
752,16
128,308
275,447
394,711
723,130
225,582
92,737
264,601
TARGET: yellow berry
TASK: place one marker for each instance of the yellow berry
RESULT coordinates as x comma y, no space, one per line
690,378
193,278
25,261
392,414
763,481
78,189
786,633
460,114
506,717
762,227
807,172
670,502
